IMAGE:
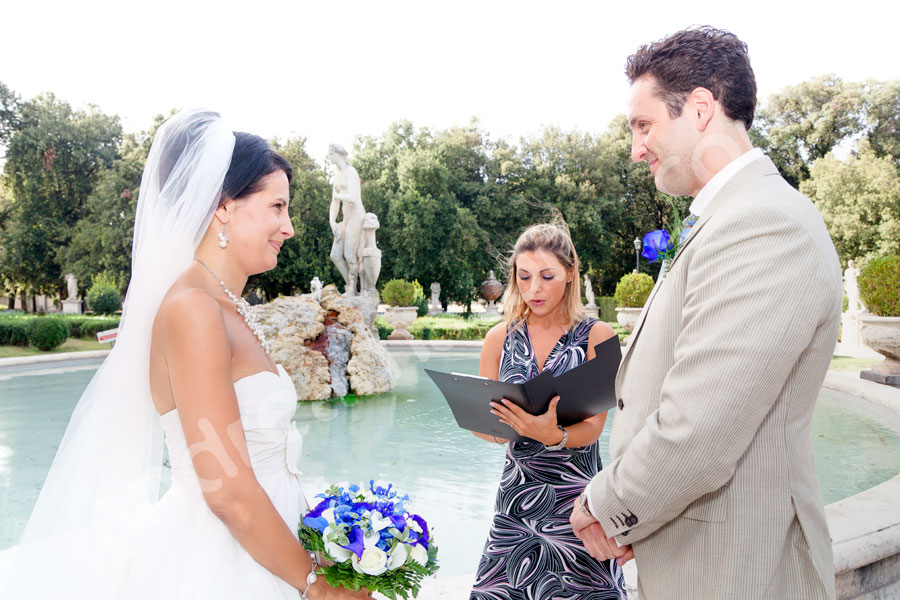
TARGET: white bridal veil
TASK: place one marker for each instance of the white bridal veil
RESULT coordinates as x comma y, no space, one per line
104,481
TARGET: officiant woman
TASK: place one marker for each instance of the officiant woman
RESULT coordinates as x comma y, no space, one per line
531,552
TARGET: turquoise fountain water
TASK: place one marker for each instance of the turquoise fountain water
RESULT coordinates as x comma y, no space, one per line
407,437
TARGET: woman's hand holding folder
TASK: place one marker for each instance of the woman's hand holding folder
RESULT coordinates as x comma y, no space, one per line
542,428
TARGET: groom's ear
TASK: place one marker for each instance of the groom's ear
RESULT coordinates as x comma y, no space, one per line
702,106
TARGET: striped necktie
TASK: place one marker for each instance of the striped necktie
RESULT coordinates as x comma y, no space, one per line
686,226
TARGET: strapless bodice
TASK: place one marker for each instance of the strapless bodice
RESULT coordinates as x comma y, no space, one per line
267,402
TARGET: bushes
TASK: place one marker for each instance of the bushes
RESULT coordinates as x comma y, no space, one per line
400,292
430,328
442,327
422,307
607,305
46,333
383,327
21,329
879,286
89,327
103,297
13,332
633,290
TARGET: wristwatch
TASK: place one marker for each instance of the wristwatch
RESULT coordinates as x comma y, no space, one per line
561,444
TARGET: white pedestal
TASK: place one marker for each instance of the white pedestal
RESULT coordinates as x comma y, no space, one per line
72,307
851,343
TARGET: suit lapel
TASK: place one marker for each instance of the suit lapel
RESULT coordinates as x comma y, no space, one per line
757,168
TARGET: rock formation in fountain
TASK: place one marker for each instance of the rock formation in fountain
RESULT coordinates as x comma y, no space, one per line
327,347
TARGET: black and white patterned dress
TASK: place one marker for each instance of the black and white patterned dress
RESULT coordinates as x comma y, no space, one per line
531,552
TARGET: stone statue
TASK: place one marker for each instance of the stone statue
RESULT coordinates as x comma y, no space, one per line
854,305
589,291
72,304
369,256
435,303
72,287
348,234
315,287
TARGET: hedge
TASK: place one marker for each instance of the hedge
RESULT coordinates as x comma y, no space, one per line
13,332
442,328
607,305
17,327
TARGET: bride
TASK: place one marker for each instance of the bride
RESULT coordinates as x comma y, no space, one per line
190,361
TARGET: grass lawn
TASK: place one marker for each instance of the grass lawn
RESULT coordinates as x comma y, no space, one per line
70,345
850,363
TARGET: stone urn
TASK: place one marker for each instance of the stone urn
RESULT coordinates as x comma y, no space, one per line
400,317
882,334
628,317
491,290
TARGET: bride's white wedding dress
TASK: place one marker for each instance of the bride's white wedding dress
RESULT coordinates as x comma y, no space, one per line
187,552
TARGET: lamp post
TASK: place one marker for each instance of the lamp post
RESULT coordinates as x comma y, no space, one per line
637,254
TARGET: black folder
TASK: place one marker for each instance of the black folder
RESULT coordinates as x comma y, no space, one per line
584,391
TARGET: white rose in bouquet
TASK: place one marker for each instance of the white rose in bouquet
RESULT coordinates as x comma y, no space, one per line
373,561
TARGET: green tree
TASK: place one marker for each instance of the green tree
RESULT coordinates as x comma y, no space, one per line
53,157
859,199
427,189
605,197
882,107
805,122
306,255
10,114
101,240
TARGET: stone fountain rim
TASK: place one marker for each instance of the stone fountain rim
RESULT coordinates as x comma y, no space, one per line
870,318
865,528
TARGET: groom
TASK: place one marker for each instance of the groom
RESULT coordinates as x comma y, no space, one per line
712,486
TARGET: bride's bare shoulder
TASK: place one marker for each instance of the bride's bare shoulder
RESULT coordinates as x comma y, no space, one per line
188,309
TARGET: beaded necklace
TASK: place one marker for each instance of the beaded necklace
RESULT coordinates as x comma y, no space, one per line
243,309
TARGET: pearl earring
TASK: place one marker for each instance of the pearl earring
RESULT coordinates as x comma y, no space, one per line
223,237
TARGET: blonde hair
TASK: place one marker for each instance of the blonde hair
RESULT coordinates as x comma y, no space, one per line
554,238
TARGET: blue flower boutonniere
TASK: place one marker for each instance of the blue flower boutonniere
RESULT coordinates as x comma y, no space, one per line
658,245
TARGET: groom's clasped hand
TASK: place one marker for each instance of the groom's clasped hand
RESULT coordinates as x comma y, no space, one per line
590,532
584,525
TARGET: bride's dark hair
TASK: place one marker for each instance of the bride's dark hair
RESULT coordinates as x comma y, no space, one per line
251,160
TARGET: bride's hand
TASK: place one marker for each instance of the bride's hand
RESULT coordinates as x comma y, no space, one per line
320,590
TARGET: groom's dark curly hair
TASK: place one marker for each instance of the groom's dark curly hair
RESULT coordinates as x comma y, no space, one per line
699,57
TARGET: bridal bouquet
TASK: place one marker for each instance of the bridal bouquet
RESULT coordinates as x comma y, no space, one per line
372,539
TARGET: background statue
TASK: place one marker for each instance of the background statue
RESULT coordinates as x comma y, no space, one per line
348,233
369,255
854,305
72,287
436,296
589,291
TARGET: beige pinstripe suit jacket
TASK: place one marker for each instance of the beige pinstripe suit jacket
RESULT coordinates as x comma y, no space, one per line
712,477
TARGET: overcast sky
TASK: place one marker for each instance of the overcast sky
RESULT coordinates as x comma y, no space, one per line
332,70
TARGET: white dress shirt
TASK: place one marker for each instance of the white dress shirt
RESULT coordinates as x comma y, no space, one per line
718,181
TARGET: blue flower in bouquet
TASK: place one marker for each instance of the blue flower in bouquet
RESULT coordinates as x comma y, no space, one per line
658,245
374,541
